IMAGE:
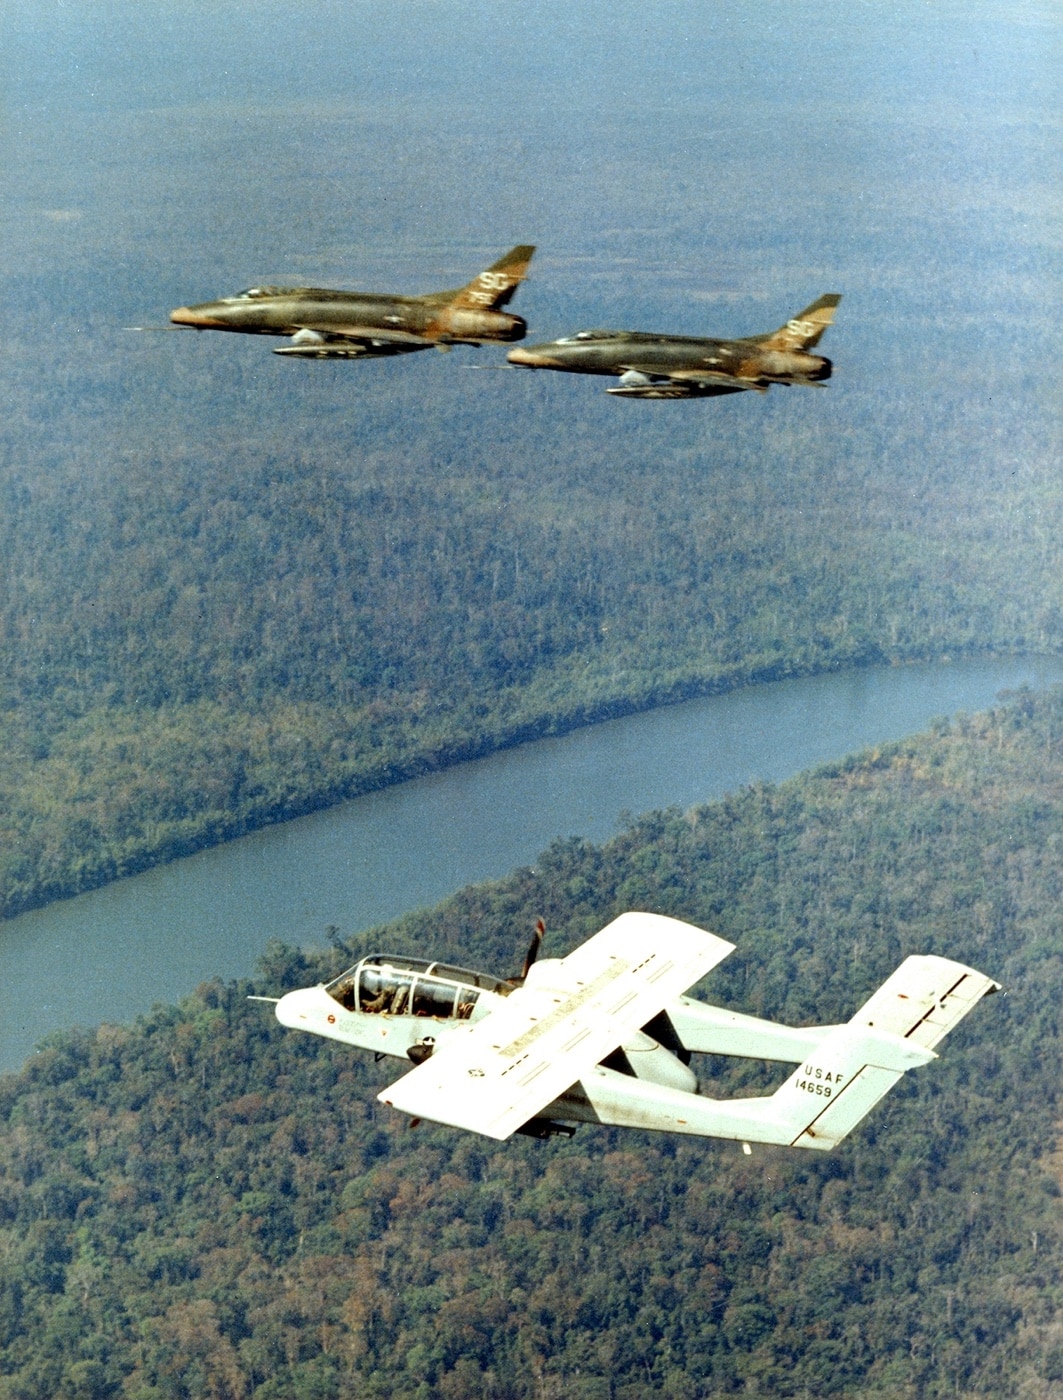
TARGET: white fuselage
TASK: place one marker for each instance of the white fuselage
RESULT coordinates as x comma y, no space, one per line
633,1088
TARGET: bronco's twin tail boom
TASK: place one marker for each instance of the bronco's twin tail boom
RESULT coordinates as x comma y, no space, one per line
606,1035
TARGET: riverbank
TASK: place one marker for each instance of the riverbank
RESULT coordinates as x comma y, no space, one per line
111,954
205,1194
245,772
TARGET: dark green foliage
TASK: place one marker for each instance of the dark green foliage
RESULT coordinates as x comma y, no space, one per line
207,640
205,1205
235,588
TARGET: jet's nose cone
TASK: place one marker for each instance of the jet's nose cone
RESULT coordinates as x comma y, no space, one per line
200,318
533,358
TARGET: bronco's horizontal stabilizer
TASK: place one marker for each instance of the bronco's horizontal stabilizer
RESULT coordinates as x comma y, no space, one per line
925,998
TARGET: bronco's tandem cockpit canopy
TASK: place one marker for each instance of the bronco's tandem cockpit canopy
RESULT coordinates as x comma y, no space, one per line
398,986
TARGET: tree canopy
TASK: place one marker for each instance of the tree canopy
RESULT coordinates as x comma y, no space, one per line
205,1205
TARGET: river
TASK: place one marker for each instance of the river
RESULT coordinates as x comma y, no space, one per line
111,954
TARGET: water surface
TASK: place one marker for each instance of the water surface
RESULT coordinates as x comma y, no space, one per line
110,954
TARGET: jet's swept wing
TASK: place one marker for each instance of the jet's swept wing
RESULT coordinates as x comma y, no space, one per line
336,342
356,343
706,379
502,1071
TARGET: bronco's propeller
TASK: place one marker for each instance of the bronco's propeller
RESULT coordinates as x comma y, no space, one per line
533,949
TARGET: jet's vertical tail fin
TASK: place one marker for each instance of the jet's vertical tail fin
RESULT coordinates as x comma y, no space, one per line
494,287
856,1064
806,328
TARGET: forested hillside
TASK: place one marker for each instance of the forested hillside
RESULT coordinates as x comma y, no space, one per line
205,1205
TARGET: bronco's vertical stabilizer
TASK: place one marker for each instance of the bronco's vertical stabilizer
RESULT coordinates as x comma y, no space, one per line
851,1069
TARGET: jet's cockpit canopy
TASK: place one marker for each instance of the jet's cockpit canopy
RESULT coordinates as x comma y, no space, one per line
396,986
255,293
587,335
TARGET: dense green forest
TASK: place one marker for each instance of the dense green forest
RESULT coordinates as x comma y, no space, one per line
203,1205
200,641
234,588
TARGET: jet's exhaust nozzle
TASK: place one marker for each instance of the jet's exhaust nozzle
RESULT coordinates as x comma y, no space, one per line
792,367
462,324
518,328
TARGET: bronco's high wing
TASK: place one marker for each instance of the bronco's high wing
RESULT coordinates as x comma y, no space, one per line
324,324
569,1015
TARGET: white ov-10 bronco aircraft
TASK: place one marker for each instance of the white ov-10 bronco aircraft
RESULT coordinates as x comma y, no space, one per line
605,1035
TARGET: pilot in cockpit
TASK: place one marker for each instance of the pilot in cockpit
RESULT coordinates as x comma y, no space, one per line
344,993
382,992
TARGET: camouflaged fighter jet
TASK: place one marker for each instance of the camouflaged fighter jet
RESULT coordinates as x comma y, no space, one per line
653,366
606,1035
332,325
